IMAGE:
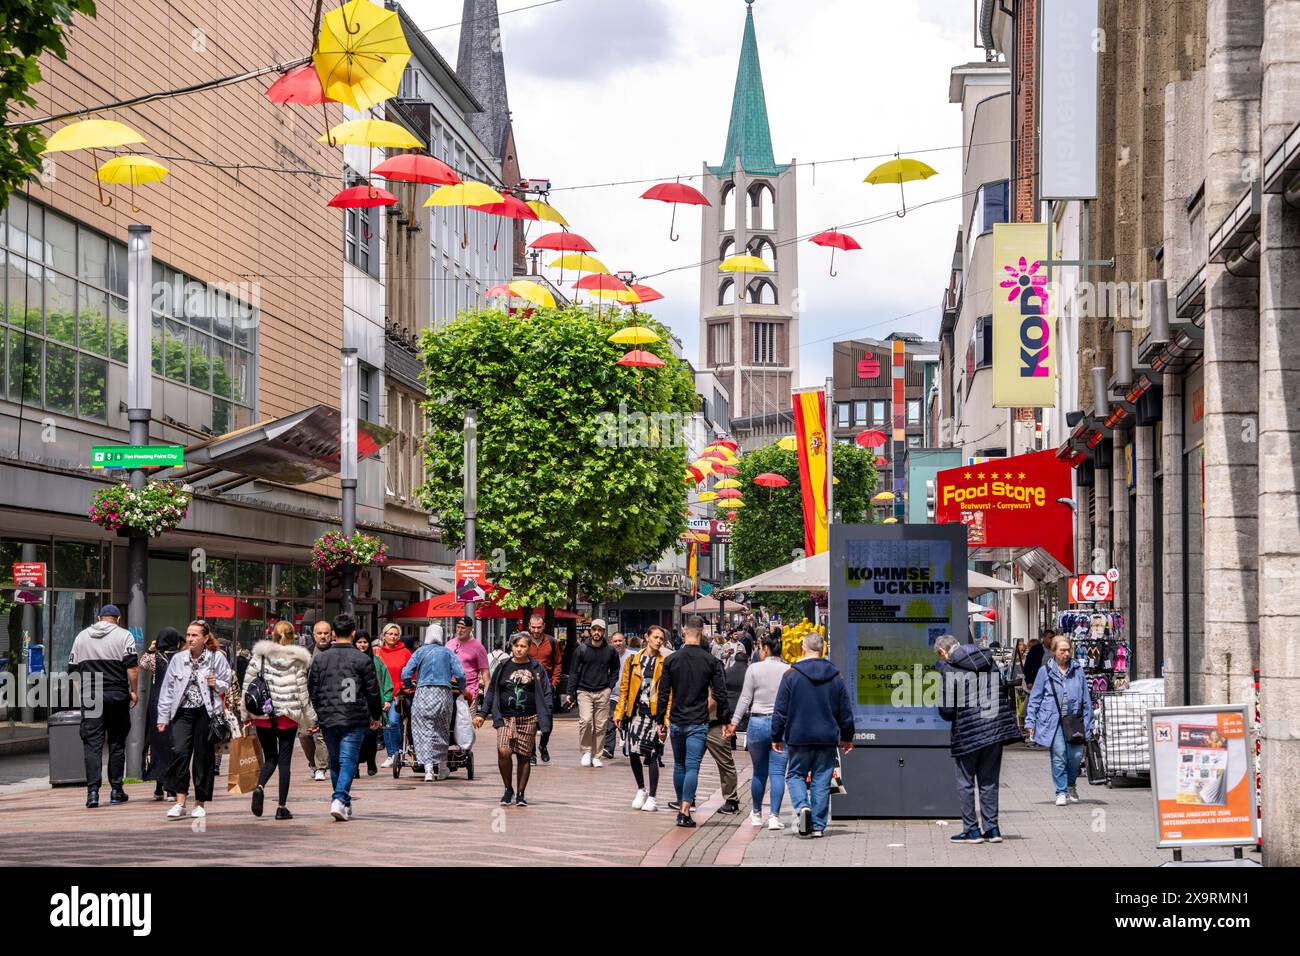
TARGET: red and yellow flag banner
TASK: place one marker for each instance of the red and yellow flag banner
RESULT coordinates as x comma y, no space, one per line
810,436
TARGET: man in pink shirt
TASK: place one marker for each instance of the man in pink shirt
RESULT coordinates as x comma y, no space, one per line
473,656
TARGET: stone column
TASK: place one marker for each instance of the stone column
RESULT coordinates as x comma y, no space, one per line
1144,574
1083,532
1279,456
1175,578
1101,521
1119,538
1234,36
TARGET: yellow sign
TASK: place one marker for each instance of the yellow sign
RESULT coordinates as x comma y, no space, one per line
1024,321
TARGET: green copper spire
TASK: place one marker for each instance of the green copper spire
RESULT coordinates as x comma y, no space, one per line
749,136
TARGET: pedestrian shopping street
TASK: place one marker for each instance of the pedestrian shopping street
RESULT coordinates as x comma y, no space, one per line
576,816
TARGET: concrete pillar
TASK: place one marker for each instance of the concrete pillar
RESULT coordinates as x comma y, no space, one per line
1083,532
1174,503
1235,33
1100,556
1119,538
1279,456
1144,574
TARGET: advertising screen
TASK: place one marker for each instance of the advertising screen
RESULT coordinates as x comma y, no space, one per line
1201,779
894,590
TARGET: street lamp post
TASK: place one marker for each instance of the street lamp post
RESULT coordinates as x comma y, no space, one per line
139,378
348,471
471,494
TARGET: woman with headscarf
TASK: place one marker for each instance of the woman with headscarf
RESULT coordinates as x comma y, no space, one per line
155,662
437,676
370,743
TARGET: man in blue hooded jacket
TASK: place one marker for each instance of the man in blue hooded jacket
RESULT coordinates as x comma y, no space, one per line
813,715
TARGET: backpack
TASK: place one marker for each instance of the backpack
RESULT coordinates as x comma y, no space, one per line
257,696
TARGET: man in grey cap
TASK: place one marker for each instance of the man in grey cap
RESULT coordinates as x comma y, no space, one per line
592,673
105,654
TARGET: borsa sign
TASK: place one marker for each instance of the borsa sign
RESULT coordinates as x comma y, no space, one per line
1024,323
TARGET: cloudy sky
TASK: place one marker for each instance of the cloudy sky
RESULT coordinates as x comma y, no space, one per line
605,90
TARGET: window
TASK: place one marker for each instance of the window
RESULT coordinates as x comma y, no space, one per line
405,452
720,344
841,414
878,413
764,343
762,292
859,413
913,412
913,441
990,207
364,379
361,238
981,343
63,299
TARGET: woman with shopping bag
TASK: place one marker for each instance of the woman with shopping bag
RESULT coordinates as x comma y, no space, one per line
276,702
191,702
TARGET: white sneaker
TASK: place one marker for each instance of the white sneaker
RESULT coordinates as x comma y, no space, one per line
1060,799
318,775
586,759
639,800
774,824
348,810
387,763
755,819
595,762
650,805
338,811
1073,794
176,812
428,775
198,812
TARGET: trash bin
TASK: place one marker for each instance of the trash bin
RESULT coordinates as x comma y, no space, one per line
67,756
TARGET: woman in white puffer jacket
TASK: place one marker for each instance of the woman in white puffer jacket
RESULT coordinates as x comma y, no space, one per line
282,665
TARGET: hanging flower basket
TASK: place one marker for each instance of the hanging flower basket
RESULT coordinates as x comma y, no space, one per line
334,550
153,510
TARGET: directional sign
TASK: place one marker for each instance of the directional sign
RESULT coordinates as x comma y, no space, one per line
137,456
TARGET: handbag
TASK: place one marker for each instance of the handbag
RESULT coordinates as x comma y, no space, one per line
1096,763
219,731
246,762
257,696
1072,724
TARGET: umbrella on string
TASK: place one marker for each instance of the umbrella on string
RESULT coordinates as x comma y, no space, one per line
743,264
731,503
835,240
510,207
881,462
706,496
301,85
890,521
364,196
770,479
884,496
726,493
870,439
417,168
561,242
360,54
634,335
548,213
900,171
370,132
726,470
583,263
639,358
469,193
131,171
92,135
532,291
788,443
644,293
676,193
726,483
725,443
600,283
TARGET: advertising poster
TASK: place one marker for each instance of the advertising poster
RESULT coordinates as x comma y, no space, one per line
1201,780
894,591
1024,325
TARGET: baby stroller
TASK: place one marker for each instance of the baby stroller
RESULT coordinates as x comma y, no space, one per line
458,757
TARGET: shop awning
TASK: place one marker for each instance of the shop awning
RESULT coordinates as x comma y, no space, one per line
709,605
814,574
225,607
426,576
446,606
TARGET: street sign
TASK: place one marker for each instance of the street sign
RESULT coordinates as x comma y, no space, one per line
137,456
471,581
29,574
1091,588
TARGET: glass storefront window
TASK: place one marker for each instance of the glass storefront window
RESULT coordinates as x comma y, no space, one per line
78,565
221,575
251,577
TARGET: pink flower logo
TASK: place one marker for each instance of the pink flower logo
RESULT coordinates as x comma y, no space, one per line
1023,278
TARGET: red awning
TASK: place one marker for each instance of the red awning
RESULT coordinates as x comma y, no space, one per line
225,607
446,605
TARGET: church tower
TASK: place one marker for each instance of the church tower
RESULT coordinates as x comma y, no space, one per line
749,336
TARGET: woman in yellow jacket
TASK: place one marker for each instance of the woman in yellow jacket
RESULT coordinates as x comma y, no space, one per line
643,734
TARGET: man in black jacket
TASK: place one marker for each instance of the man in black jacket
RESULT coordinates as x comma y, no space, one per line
592,670
344,691
689,676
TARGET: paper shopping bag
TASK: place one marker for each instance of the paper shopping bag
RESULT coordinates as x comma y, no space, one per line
245,764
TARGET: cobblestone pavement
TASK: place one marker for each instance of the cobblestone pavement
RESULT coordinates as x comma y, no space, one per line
576,816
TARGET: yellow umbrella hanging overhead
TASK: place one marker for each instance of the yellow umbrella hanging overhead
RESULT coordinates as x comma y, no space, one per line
707,496
744,264
533,292
464,194
727,483
91,134
581,262
547,213
360,54
890,521
731,503
900,171
884,496
130,171
788,443
634,335
371,132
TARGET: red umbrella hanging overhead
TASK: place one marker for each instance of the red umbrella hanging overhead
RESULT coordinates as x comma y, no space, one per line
499,290
835,240
726,470
602,283
676,193
871,439
417,168
726,443
729,493
363,197
562,242
645,293
509,207
771,480
300,85
881,462
639,358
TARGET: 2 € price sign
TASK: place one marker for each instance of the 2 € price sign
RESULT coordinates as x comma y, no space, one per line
1091,588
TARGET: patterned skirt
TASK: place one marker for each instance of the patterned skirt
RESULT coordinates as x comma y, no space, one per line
431,712
517,735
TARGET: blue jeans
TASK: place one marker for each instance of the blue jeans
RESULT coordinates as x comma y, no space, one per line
344,744
768,765
689,743
393,730
820,763
1065,761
